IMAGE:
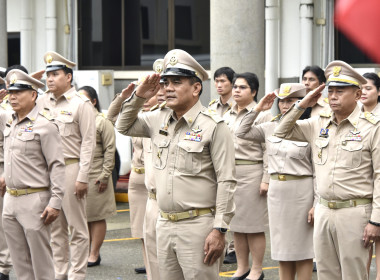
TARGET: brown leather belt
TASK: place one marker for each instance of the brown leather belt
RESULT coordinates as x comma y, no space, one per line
18,192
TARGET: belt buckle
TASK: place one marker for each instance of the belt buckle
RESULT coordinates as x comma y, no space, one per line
14,192
332,204
173,217
137,170
281,177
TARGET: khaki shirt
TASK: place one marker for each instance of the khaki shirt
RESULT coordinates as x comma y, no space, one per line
74,116
138,152
322,106
246,149
33,155
375,111
193,158
346,158
217,106
4,107
105,146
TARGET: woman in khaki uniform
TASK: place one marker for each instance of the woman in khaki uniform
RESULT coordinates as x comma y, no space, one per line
251,216
291,188
100,198
370,99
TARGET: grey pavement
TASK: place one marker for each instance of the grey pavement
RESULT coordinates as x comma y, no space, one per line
121,254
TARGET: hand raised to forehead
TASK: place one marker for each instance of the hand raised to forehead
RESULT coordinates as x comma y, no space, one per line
149,87
127,92
265,102
312,97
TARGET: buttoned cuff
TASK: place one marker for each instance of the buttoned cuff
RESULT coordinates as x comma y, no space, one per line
375,216
103,179
220,221
55,203
82,177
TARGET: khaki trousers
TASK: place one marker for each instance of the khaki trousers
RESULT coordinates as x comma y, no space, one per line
180,249
5,257
73,218
27,236
150,221
338,244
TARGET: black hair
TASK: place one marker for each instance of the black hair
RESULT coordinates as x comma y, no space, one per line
317,71
225,71
252,81
16,66
93,95
376,81
69,71
193,80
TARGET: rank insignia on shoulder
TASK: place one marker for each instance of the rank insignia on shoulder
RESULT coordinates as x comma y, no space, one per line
326,100
324,132
193,137
164,130
325,114
212,102
371,118
67,113
155,107
163,105
275,118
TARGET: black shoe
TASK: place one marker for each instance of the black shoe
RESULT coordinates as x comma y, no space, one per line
4,276
260,278
230,258
314,266
140,270
90,264
241,277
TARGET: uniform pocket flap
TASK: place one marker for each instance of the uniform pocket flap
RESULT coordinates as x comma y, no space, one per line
27,136
321,143
352,146
191,147
300,144
274,139
162,143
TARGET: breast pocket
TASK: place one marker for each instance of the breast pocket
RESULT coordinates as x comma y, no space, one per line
351,154
321,153
27,143
297,150
7,133
189,160
65,124
274,144
160,153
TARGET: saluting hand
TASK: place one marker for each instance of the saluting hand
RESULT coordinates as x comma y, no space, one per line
80,189
38,75
3,93
370,235
266,102
214,246
149,87
50,215
312,97
127,92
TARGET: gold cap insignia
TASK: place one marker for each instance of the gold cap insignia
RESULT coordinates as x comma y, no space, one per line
13,79
285,91
158,68
174,59
336,70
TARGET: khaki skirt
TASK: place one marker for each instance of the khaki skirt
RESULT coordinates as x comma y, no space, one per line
289,203
137,196
251,214
100,206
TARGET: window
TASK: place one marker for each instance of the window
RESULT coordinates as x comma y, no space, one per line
124,34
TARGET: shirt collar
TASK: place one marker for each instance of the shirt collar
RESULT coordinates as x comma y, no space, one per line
68,95
190,116
250,106
32,115
353,118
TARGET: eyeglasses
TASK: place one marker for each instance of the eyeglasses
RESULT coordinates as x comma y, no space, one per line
240,87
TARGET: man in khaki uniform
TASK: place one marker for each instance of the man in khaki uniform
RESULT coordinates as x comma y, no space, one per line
193,164
75,118
223,83
33,174
5,258
346,157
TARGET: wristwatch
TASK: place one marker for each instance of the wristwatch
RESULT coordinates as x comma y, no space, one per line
221,230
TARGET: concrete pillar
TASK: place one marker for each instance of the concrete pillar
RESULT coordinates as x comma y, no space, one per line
26,34
238,37
51,25
3,34
306,32
271,45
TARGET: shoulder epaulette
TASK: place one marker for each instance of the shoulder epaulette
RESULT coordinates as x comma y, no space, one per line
212,115
212,102
326,100
163,105
371,118
46,114
155,107
275,118
84,97
325,114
